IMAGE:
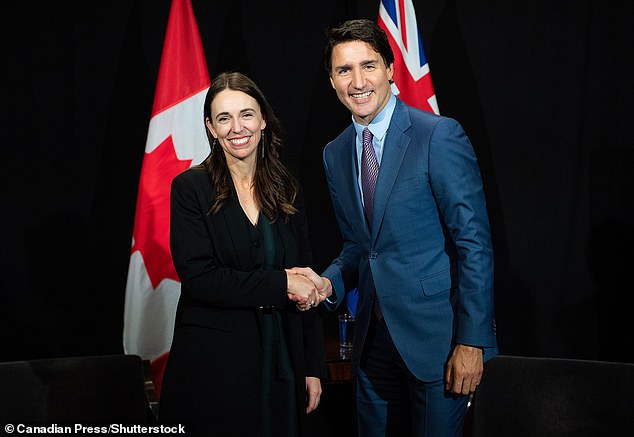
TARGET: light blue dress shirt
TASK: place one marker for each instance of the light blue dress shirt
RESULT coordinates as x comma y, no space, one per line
378,126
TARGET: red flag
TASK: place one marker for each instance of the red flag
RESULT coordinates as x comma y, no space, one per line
176,139
412,79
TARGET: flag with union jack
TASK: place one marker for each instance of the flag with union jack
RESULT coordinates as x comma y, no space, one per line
412,79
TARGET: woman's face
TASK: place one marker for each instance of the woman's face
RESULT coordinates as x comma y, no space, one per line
237,122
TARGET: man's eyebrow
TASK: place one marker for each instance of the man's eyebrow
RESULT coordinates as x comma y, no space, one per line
369,61
339,67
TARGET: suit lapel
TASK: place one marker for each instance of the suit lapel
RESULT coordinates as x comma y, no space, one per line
287,240
396,143
349,162
235,224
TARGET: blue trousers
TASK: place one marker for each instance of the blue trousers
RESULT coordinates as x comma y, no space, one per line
392,402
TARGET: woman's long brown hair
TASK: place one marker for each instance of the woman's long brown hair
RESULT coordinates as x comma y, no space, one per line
275,189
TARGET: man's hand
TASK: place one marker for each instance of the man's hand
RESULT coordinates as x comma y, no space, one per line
464,370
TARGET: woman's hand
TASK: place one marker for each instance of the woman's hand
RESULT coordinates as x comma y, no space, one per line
301,290
321,283
313,392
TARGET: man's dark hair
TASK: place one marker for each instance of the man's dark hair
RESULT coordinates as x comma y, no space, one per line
358,30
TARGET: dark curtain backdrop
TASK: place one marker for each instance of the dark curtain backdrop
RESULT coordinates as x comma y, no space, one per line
543,89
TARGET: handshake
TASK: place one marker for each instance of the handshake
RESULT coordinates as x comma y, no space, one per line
306,288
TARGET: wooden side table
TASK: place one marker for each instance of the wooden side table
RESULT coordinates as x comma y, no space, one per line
338,361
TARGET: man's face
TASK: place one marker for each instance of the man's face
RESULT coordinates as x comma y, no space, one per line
361,79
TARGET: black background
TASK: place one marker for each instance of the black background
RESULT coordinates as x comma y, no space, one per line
543,89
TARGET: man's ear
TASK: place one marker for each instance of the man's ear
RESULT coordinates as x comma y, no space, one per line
390,72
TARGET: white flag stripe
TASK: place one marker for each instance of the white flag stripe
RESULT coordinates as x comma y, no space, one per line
434,104
412,36
177,121
151,309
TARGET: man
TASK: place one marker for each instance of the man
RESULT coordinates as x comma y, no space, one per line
416,244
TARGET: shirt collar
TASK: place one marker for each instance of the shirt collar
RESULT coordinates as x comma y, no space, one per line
379,125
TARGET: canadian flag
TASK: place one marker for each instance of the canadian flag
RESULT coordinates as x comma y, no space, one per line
176,140
412,78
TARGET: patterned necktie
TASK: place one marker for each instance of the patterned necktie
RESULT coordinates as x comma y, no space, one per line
369,173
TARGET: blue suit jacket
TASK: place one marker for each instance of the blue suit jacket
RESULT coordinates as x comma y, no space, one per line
428,255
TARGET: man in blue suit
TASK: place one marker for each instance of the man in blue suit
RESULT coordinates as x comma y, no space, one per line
416,244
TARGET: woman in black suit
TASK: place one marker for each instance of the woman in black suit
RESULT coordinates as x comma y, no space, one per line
247,353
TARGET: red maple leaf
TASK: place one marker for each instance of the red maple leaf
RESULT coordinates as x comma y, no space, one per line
152,217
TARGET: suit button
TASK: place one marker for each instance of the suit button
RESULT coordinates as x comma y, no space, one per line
373,254
256,243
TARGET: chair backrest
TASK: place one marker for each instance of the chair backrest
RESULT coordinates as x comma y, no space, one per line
89,390
526,397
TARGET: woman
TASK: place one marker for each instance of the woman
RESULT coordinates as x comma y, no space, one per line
246,359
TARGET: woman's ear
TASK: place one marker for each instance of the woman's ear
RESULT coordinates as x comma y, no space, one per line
210,127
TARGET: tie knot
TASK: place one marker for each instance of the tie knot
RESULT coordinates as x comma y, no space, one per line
367,136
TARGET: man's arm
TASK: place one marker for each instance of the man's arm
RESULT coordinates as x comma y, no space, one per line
457,186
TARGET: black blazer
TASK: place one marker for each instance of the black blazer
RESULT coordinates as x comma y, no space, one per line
212,378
